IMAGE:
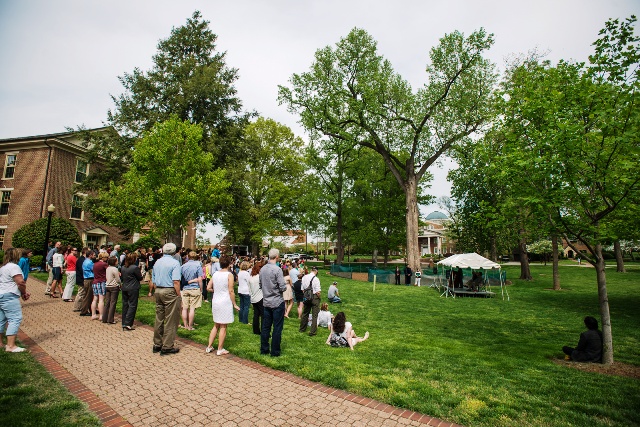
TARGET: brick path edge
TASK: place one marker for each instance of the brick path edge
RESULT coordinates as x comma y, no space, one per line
105,413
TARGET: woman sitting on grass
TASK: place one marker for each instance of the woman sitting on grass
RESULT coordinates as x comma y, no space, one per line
324,317
341,333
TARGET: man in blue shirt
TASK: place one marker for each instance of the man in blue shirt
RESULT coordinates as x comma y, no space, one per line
166,278
87,275
192,289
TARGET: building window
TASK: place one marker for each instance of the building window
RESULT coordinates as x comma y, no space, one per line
2,230
4,202
93,241
82,169
10,166
76,207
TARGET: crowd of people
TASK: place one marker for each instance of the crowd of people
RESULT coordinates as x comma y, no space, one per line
180,280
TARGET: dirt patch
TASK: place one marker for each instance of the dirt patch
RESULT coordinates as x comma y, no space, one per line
616,368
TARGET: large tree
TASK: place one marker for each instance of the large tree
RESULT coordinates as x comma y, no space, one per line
189,79
351,93
265,180
169,182
579,125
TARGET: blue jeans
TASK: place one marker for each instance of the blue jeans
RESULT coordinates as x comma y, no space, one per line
245,303
10,313
275,317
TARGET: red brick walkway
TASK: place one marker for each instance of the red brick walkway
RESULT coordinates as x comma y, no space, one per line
124,383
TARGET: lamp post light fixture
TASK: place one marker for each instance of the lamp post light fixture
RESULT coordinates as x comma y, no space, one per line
50,210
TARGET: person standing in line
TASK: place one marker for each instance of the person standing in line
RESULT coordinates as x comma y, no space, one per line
293,272
273,286
397,275
256,297
142,261
192,291
77,305
115,252
71,261
407,274
131,277
49,266
244,292
288,294
312,306
87,283
206,277
155,256
166,278
57,263
25,263
222,304
298,296
113,285
12,288
99,286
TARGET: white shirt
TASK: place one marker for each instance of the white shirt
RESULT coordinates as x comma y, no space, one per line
254,287
313,280
57,260
324,318
7,285
243,282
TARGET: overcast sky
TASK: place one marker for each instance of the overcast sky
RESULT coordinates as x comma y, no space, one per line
59,60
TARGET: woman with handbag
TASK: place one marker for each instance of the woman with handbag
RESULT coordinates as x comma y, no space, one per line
112,291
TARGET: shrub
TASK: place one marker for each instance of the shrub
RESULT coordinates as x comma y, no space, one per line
1,256
32,235
36,260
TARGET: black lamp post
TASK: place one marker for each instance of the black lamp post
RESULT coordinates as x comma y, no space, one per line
50,209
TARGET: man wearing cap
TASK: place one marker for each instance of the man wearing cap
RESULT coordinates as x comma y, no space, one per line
272,284
334,295
166,278
312,280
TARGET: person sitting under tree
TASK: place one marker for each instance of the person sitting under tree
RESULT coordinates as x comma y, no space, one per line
589,347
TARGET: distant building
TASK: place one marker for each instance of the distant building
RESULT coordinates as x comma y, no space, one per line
432,235
37,171
287,238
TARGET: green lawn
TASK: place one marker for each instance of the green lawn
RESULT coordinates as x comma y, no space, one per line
477,362
30,396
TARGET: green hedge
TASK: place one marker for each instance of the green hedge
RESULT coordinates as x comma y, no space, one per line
32,235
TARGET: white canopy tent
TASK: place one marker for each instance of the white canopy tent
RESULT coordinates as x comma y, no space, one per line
473,262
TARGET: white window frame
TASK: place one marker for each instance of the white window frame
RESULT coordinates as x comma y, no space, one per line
86,173
6,161
82,196
2,190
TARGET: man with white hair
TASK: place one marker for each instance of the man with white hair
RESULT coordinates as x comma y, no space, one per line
166,278
115,252
272,283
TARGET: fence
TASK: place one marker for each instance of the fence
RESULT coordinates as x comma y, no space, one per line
388,275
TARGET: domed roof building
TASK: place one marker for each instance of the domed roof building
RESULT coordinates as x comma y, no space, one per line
432,236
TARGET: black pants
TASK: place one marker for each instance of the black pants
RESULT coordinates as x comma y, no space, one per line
258,311
129,306
397,279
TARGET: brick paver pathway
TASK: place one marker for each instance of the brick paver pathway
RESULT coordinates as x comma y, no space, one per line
120,378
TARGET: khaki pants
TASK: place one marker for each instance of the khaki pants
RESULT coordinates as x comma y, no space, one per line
77,305
47,291
167,317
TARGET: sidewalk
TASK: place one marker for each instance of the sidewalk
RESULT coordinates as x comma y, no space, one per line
117,374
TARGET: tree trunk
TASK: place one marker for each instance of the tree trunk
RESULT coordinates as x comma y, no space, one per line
607,339
525,271
374,258
494,249
619,260
556,275
339,245
411,200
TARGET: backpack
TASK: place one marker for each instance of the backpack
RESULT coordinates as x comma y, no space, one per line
337,340
307,294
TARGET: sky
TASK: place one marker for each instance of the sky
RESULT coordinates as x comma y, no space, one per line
60,60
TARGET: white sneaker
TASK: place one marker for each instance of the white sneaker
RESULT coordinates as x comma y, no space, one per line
208,350
221,352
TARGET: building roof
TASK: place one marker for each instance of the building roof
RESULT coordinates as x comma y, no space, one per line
48,136
436,215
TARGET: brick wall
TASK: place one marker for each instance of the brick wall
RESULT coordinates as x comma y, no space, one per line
28,189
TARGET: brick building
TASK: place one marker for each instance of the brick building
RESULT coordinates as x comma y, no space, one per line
37,171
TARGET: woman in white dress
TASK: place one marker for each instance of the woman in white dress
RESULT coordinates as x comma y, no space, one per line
222,304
